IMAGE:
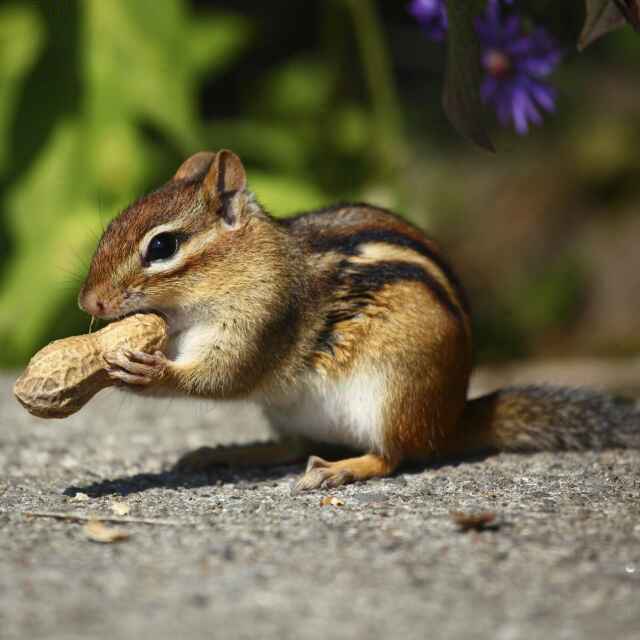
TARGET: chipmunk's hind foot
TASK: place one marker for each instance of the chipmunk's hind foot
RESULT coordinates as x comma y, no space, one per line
322,473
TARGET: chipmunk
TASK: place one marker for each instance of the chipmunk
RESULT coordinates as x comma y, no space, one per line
347,325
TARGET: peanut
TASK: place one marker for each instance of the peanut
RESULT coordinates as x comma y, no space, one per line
63,376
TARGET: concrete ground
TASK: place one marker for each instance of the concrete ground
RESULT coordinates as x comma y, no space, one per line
233,554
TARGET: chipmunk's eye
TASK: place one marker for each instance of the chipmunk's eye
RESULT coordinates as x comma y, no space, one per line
161,247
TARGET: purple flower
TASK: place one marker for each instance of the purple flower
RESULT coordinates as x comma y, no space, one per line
432,15
515,63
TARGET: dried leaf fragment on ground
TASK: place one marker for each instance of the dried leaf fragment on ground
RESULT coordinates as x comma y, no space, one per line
99,532
331,501
474,521
120,508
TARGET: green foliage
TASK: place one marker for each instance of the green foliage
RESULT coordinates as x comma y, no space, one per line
100,101
542,300
548,298
106,70
20,42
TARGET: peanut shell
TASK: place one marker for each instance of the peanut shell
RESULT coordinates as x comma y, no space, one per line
63,376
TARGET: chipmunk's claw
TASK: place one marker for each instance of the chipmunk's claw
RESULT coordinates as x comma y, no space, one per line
136,367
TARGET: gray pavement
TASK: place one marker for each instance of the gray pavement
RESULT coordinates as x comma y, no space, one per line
237,556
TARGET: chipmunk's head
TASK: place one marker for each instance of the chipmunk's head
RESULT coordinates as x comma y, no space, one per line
156,254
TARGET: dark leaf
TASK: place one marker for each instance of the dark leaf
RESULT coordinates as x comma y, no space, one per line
630,9
461,99
603,16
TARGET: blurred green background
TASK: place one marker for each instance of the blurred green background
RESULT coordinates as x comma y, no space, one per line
327,100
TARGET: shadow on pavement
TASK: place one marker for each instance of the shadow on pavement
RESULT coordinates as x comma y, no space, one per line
232,473
126,485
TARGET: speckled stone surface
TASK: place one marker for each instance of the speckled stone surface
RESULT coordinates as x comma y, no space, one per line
247,559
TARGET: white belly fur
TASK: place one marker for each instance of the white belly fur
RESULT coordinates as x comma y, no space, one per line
346,412
191,344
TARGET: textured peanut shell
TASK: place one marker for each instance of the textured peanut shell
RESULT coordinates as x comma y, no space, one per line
63,376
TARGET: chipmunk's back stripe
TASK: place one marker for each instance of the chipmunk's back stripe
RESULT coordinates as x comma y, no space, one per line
350,244
355,285
373,277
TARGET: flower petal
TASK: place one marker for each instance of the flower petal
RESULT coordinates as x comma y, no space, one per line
515,89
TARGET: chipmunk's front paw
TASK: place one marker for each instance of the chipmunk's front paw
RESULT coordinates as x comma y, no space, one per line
136,367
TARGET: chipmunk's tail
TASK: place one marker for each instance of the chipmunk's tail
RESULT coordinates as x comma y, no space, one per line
535,418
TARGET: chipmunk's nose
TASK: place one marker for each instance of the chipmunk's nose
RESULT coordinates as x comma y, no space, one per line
89,302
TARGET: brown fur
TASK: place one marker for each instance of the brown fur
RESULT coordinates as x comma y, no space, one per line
348,288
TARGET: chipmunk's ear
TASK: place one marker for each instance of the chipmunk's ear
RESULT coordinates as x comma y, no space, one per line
195,167
226,174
